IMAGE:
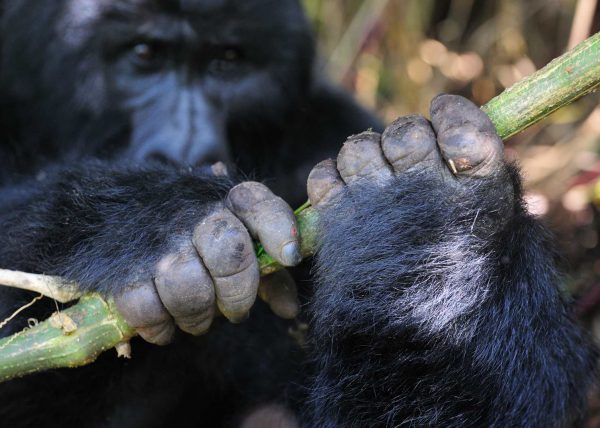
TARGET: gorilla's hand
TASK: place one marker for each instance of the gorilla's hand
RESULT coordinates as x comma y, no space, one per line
429,262
460,142
415,224
216,264
410,258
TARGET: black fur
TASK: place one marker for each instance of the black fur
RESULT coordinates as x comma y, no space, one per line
121,217
435,304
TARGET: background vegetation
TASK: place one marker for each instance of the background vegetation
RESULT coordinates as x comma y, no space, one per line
395,55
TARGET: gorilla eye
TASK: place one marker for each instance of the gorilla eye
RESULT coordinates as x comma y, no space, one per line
226,59
143,51
147,55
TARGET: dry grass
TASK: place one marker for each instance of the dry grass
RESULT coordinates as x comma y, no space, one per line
396,55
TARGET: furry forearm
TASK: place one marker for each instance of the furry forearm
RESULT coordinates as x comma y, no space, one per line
57,224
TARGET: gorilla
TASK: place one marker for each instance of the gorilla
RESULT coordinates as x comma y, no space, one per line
145,145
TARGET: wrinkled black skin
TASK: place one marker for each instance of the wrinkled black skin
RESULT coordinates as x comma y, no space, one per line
95,187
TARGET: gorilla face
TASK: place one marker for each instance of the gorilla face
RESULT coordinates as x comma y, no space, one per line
166,79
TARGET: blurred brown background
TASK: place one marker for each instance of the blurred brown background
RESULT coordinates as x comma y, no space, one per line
395,55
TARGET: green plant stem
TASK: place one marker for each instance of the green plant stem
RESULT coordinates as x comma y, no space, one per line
559,83
76,336
71,338
79,334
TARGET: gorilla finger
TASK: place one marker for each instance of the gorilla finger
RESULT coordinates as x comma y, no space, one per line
466,136
269,218
186,290
408,141
143,310
228,253
361,158
279,291
324,183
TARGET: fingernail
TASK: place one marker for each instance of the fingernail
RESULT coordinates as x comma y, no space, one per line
239,318
286,310
290,254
